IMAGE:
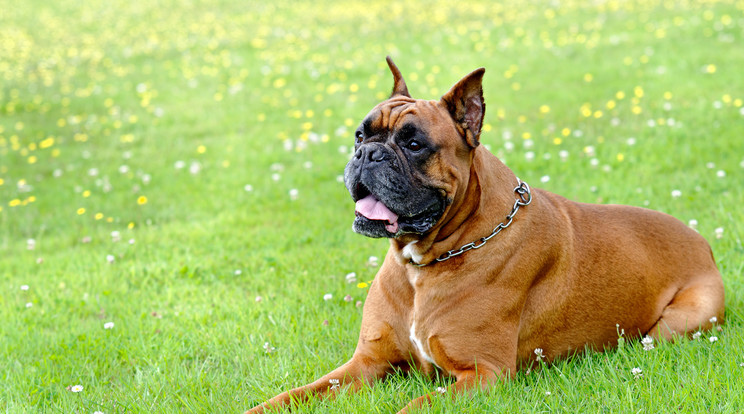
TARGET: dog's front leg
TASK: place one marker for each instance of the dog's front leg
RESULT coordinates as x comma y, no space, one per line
467,381
355,373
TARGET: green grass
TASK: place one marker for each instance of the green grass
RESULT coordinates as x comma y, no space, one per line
102,101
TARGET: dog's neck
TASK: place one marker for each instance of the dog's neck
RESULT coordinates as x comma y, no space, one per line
490,195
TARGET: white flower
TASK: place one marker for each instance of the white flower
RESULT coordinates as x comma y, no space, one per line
108,325
335,383
547,393
637,372
238,272
539,354
248,188
563,154
268,348
179,164
76,388
719,232
441,390
696,335
24,287
648,343
373,261
29,304
327,296
545,179
351,277
195,167
97,412
693,224
30,244
721,174
115,236
676,193
742,365
713,339
293,193
110,258
258,299
713,320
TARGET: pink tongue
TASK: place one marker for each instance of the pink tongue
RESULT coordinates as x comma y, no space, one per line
373,209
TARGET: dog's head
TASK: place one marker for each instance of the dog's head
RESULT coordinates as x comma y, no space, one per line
412,157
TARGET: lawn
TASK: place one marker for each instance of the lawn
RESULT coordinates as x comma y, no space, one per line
174,235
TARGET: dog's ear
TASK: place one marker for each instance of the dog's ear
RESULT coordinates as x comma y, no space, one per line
399,85
465,103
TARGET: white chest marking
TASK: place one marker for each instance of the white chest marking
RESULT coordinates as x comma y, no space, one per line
409,252
419,346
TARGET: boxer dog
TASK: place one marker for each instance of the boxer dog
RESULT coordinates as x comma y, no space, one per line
484,270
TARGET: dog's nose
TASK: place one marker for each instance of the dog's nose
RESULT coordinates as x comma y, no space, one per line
370,153
376,154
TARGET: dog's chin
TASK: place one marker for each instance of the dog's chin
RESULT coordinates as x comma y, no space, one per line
371,228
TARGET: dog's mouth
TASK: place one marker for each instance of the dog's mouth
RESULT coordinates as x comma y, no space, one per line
370,208
373,209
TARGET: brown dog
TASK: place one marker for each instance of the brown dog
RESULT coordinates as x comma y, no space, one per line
548,273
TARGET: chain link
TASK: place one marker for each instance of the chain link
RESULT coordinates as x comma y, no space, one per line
525,198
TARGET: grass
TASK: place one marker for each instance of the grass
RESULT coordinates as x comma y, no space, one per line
211,135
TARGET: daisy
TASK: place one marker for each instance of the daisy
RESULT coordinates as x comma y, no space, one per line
648,343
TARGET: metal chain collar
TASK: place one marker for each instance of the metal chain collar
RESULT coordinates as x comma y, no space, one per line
525,198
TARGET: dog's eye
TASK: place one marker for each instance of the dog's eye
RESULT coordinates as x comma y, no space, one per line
359,137
413,146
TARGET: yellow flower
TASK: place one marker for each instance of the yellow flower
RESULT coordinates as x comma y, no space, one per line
98,216
362,285
201,149
81,211
141,200
130,225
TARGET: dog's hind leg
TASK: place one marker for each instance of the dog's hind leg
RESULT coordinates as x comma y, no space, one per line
692,308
